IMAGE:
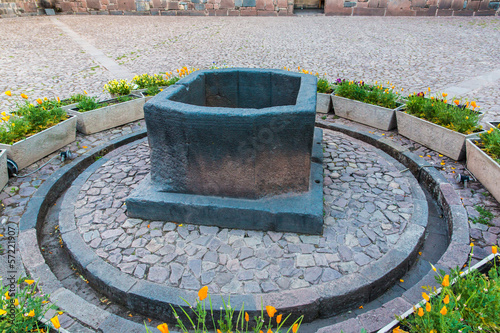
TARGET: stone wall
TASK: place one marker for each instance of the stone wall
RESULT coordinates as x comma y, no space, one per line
12,8
412,7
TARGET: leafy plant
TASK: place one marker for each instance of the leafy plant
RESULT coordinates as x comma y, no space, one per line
458,117
371,94
88,103
152,91
485,216
324,86
471,304
118,87
198,319
490,143
28,119
20,309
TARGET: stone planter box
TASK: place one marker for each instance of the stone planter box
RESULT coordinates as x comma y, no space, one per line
110,116
368,114
484,168
492,124
35,147
480,266
4,175
435,137
323,103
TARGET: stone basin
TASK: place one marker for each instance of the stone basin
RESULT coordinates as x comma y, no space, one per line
234,148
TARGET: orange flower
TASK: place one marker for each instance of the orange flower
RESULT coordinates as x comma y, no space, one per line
425,296
444,95
429,89
39,101
269,331
247,317
443,311
58,99
446,281
31,313
456,101
163,328
473,104
445,101
494,249
55,322
7,297
24,96
8,93
218,331
202,294
428,307
446,300
278,319
398,330
30,282
295,327
270,311
420,312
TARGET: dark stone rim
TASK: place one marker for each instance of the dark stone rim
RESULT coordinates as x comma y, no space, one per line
312,305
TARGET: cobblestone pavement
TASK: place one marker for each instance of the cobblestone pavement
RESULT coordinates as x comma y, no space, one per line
368,203
413,53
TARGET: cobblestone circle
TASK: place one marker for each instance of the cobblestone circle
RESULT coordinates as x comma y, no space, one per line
368,203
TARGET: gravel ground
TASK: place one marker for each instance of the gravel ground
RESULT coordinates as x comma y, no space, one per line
412,53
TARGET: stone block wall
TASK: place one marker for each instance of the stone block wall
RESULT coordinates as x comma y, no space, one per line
12,8
412,7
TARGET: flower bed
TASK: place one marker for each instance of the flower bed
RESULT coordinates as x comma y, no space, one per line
438,125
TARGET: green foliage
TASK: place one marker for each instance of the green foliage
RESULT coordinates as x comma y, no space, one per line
324,87
457,118
490,143
472,304
118,87
31,305
88,103
29,120
371,94
485,216
152,91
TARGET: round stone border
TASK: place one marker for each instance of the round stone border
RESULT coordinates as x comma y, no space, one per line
357,292
322,300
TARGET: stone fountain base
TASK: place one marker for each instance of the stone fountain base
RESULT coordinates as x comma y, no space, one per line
295,212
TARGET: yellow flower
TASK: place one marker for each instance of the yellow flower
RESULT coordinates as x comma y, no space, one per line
398,330
444,95
420,312
163,328
429,89
85,92
16,302
30,282
247,317
428,307
471,244
7,297
8,93
219,331
425,296
45,99
31,313
58,99
434,268
2,312
24,96
473,104
446,281
278,319
466,117
446,300
202,293
295,327
494,249
270,311
55,322
443,311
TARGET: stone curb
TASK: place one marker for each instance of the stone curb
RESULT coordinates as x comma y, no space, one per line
29,249
317,301
455,214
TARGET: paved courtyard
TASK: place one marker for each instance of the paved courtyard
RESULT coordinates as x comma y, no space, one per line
59,56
